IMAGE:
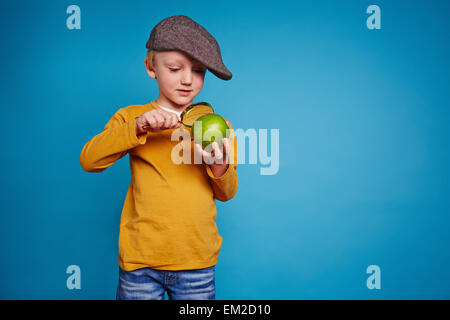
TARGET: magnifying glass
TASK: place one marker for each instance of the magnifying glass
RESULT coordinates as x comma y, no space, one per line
192,113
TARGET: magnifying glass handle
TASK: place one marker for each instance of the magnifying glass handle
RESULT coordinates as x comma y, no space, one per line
148,127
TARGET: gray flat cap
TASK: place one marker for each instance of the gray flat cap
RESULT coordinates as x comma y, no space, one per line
184,34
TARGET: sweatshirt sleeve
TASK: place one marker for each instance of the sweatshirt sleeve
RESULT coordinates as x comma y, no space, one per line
113,143
225,186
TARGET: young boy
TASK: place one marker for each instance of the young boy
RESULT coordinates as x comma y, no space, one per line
168,238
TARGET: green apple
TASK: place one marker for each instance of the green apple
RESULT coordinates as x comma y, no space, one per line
209,128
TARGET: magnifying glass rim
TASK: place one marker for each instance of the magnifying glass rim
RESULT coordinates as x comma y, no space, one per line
185,111
190,107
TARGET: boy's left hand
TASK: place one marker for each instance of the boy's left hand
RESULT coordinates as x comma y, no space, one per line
217,159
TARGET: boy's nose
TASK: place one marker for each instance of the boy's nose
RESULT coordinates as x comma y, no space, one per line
187,77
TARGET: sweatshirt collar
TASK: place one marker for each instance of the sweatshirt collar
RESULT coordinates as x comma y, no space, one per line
164,108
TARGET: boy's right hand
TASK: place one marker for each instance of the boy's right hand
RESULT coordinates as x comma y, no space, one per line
156,120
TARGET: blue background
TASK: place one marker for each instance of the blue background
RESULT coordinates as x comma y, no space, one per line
364,152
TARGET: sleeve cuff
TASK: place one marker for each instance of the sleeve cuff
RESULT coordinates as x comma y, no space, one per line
222,177
142,139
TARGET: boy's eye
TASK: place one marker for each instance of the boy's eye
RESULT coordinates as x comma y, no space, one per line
197,70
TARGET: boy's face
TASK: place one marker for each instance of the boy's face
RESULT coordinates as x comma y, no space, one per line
180,78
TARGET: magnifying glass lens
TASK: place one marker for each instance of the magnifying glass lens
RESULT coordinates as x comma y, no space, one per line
194,112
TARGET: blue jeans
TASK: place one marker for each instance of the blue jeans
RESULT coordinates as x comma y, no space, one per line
151,284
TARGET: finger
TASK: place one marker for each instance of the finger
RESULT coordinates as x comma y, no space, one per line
164,115
167,119
209,148
227,149
207,157
198,148
150,121
226,145
175,122
218,155
198,152
157,122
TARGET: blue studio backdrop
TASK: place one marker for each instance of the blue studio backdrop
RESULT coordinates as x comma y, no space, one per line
357,206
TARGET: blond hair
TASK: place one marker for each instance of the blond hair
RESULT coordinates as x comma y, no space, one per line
151,58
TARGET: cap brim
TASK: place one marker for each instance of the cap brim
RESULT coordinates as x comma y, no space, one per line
222,75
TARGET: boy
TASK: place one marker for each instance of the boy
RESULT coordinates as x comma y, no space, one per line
168,238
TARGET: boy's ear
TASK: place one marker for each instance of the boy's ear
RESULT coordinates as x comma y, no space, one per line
150,70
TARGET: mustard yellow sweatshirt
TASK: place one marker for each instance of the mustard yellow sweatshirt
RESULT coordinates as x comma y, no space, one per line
168,220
